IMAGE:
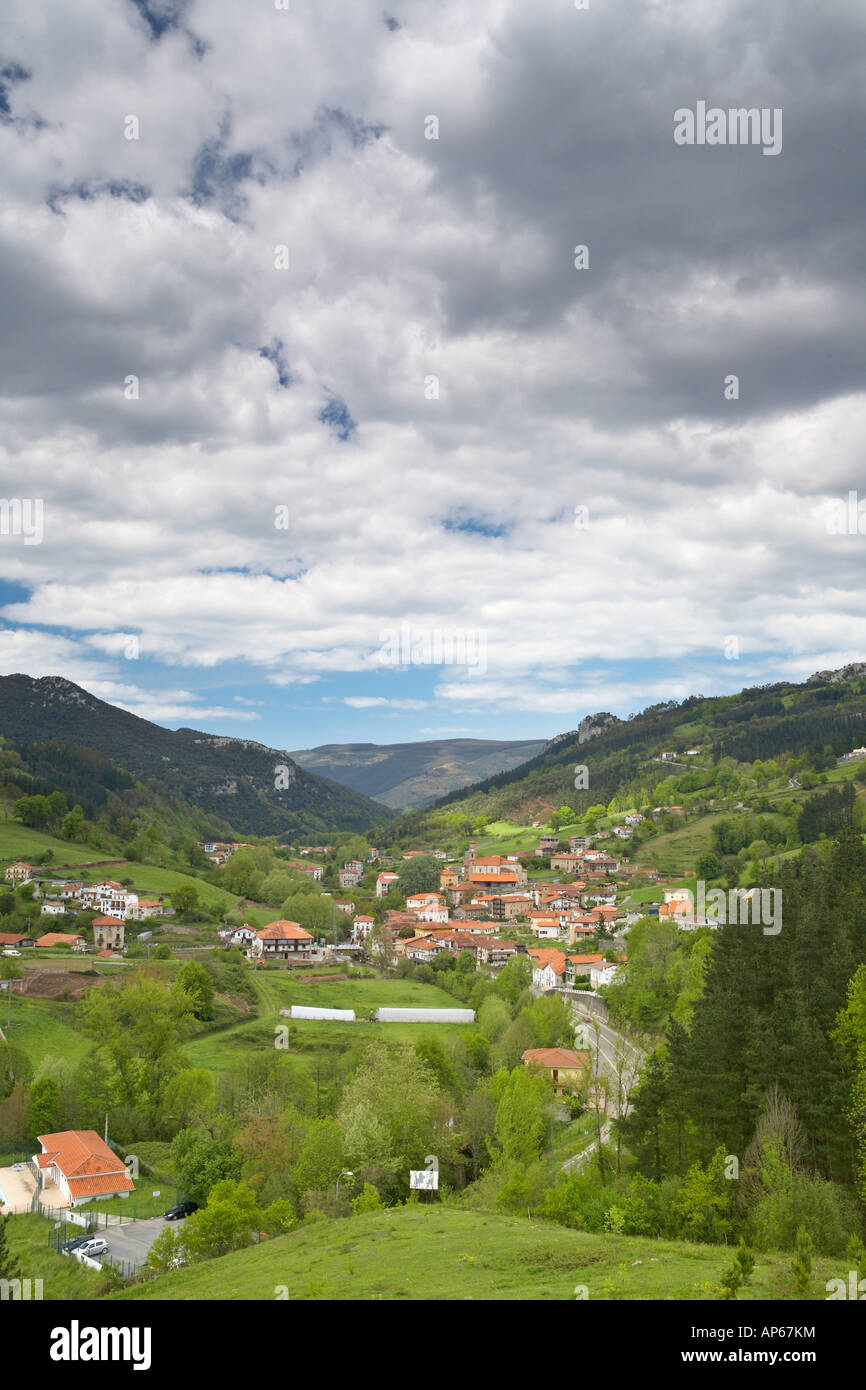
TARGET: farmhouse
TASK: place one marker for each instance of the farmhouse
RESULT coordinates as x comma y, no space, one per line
19,872
81,1166
495,952
59,938
150,907
282,940
564,1067
108,933
15,939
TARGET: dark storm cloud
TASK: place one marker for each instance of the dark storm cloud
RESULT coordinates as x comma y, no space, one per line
568,139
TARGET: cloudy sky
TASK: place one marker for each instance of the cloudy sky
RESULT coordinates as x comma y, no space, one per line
284,377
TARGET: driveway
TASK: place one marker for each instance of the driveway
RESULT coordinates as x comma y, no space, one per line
16,1189
133,1240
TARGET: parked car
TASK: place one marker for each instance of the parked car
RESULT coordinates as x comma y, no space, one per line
75,1244
10,951
180,1211
93,1247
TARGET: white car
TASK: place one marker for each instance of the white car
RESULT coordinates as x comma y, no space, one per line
93,1248
10,951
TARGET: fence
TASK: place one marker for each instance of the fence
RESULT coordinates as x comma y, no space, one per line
57,1238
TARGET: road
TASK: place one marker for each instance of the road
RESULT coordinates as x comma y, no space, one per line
132,1241
608,1042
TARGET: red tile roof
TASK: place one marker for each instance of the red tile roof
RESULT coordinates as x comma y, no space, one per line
555,1057
282,930
88,1165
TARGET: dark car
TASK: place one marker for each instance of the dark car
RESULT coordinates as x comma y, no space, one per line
182,1209
70,1245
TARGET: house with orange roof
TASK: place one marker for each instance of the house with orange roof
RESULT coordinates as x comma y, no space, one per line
548,966
566,1069
15,939
362,926
423,948
19,872
545,925
59,938
430,907
581,964
494,952
606,971
282,940
82,1166
108,933
384,883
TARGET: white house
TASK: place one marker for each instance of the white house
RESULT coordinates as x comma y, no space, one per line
282,940
109,897
81,1166
52,909
238,936
384,883
604,972
362,926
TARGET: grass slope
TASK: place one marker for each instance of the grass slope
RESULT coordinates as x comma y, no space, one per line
42,1028
442,1253
20,842
62,1277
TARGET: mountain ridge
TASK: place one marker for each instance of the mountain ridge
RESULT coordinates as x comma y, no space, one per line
415,773
258,789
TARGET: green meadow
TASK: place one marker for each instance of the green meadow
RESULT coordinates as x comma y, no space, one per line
442,1253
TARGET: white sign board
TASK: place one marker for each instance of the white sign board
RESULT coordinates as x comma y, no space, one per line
424,1179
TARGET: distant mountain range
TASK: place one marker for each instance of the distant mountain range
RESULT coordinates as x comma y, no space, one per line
257,790
403,775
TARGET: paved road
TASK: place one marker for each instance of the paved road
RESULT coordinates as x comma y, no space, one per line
608,1041
133,1240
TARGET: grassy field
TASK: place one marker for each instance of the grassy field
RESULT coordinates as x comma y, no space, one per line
219,1051
19,842
361,993
677,852
62,1277
442,1253
43,1028
506,837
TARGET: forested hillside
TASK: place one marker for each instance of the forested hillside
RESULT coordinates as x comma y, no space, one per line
258,790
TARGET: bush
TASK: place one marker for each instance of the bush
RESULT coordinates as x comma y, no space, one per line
824,1211
367,1200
